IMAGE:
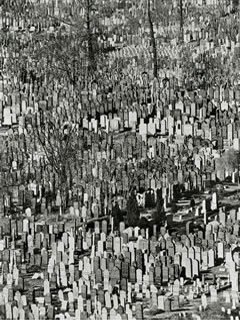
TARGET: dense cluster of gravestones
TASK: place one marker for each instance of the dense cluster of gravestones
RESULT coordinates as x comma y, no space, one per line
133,131
50,272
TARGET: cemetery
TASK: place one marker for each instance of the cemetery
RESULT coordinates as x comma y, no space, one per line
119,159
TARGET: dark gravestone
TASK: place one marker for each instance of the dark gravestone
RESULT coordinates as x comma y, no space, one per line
99,277
124,284
125,238
53,281
127,257
7,226
118,264
10,295
101,297
18,258
139,259
96,264
158,275
93,295
111,264
151,275
76,274
132,275
38,260
125,270
84,291
176,271
115,276
109,244
20,285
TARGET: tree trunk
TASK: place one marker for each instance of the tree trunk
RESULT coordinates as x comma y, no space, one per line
181,21
153,42
63,187
91,53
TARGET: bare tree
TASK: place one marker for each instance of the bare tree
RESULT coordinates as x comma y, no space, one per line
55,138
70,51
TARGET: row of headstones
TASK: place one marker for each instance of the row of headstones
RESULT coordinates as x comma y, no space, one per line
85,240
133,107
46,292
94,187
59,256
132,116
228,132
143,84
194,32
107,297
110,304
85,259
95,205
90,139
92,158
153,148
218,95
155,126
16,191
213,230
98,170
27,231
99,313
125,119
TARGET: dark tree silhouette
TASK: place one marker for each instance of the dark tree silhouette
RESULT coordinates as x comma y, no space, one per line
176,191
192,203
117,215
159,215
174,208
153,40
143,223
149,200
132,211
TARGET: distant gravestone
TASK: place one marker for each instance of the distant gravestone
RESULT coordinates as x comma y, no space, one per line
108,303
139,276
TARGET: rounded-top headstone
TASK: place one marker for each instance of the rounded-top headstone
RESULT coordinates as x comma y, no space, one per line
163,231
28,212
